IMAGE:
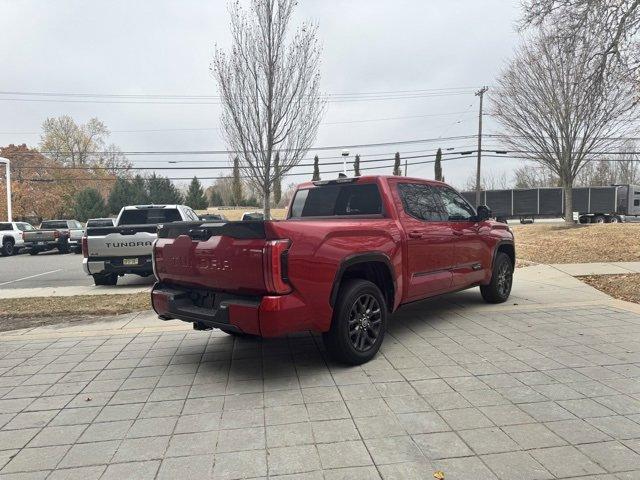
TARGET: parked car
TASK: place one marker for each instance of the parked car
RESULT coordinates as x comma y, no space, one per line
350,253
113,251
11,236
63,235
100,222
213,217
246,216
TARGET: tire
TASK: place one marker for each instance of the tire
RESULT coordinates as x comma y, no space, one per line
105,279
359,323
7,248
499,289
598,219
615,219
583,219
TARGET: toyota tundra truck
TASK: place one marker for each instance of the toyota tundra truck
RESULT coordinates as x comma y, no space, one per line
54,234
350,252
113,251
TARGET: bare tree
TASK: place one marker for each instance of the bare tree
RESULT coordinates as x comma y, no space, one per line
549,111
269,85
489,181
70,143
615,23
534,175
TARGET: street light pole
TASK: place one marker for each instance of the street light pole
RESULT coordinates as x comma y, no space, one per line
480,93
8,175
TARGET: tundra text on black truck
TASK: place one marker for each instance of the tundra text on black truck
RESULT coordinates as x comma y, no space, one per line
110,252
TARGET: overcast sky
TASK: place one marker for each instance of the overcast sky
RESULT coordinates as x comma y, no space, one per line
165,47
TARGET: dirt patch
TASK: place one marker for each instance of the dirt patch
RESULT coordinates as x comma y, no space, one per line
623,287
579,244
18,313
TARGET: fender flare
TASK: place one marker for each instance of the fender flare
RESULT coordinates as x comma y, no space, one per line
356,258
511,243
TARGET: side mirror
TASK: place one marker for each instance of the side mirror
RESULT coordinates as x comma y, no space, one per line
484,213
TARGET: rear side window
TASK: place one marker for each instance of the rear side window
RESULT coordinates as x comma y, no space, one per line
24,226
422,201
337,200
147,216
53,224
5,226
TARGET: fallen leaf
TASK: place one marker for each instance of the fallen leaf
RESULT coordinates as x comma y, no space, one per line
438,474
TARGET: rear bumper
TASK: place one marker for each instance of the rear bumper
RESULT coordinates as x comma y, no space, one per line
45,244
94,266
267,316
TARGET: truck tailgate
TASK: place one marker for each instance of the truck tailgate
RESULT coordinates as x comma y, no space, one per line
41,236
221,256
130,240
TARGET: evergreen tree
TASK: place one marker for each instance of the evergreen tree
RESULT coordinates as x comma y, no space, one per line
356,166
119,195
162,191
396,165
215,199
437,166
316,169
88,203
277,182
236,186
138,193
195,197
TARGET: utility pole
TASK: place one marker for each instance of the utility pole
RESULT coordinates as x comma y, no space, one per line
480,93
7,164
405,167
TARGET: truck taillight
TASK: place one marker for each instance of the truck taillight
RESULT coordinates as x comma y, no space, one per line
275,266
85,247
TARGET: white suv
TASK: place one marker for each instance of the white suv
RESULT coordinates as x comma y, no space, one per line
11,237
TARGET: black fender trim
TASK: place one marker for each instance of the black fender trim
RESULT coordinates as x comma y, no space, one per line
497,246
355,259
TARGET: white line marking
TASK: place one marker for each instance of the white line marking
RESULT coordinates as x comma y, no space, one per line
30,276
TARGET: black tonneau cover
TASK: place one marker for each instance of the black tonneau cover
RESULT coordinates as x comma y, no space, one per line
244,230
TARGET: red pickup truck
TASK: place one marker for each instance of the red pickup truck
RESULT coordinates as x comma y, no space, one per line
350,252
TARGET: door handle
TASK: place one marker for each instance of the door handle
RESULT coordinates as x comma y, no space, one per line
415,234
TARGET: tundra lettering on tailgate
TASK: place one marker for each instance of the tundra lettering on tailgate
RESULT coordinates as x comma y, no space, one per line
202,263
142,243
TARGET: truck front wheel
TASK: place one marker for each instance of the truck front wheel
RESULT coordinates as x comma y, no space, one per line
7,248
499,289
359,323
105,279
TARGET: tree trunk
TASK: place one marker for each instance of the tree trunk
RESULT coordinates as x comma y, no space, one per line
266,202
567,186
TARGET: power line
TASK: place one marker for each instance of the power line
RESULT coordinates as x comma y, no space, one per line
153,130
231,152
217,97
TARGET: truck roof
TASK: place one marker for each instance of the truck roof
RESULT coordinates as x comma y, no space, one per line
363,179
140,207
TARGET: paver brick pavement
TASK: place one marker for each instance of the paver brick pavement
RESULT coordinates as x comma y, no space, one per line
479,392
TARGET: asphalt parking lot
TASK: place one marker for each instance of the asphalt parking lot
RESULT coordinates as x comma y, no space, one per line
51,269
531,389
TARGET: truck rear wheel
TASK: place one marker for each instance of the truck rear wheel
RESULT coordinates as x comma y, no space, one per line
105,279
359,323
598,219
499,289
